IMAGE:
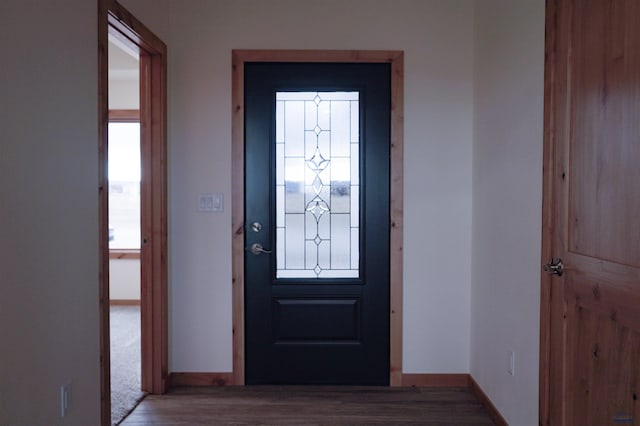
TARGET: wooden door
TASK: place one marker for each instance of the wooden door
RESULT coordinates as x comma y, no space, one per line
317,148
590,359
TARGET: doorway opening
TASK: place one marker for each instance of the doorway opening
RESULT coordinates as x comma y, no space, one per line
124,167
133,186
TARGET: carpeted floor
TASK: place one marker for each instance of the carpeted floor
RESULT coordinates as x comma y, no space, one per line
125,361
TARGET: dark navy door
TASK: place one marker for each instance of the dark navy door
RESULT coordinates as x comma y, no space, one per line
317,151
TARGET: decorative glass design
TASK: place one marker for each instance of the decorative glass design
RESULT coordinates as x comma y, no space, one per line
317,185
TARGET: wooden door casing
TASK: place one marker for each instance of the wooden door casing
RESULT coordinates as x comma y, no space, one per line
396,59
590,331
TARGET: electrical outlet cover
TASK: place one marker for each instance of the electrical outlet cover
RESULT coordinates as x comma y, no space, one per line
65,399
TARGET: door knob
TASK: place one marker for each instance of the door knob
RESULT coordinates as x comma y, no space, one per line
258,249
554,267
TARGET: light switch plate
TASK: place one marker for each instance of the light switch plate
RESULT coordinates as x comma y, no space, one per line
210,203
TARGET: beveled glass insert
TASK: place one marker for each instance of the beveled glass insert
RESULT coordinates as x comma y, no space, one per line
317,185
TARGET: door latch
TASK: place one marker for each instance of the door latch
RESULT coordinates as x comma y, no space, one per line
554,267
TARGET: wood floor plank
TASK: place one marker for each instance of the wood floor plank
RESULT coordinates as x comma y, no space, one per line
310,405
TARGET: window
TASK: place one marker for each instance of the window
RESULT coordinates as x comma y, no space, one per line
124,185
317,184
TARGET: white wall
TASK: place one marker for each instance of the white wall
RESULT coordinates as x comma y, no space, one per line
124,76
124,279
437,39
48,211
124,94
507,194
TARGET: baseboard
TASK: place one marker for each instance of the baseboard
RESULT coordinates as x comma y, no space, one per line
124,302
484,400
200,379
436,380
417,380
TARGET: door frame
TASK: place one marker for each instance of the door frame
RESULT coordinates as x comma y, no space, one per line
552,309
396,59
116,20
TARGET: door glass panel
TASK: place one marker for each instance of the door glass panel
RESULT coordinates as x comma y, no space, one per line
317,185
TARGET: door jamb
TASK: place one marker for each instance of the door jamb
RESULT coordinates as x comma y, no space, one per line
550,383
116,20
396,59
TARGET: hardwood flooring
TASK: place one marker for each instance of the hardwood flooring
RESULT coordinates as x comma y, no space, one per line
310,405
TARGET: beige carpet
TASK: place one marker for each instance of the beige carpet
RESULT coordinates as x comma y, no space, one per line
125,361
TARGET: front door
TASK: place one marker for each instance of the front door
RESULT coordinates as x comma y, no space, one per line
317,150
593,190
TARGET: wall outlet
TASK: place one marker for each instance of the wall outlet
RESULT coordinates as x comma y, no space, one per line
65,399
512,363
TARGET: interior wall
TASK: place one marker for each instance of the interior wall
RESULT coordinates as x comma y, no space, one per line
436,37
49,212
507,203
124,94
124,279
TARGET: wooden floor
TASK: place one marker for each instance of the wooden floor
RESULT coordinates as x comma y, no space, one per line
310,405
